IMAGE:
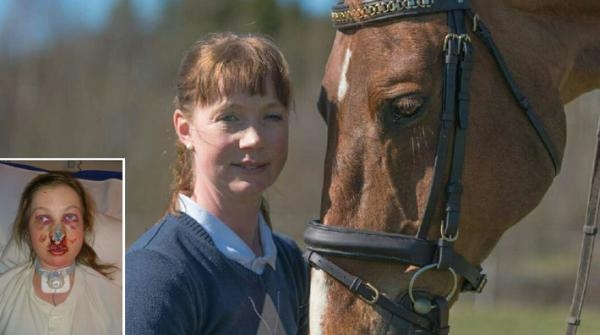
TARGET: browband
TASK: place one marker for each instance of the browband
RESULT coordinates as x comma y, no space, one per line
344,16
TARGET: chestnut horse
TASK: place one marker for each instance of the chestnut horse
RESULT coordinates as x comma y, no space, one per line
382,93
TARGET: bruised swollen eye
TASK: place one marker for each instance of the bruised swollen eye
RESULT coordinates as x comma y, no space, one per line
43,219
70,218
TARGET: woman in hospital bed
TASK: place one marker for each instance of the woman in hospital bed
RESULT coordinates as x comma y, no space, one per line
63,289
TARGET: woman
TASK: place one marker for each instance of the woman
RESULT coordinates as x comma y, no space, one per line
63,289
212,264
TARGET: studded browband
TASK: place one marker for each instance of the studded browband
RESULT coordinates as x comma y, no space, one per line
344,16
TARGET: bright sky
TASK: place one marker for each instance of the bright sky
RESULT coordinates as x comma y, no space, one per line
319,7
35,31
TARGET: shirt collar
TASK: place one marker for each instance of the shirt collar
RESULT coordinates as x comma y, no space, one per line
228,242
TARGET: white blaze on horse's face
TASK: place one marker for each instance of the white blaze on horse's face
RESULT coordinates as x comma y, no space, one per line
343,83
318,301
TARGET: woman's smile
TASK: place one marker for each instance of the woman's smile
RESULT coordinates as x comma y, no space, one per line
251,167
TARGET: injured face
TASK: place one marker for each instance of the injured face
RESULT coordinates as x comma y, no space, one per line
56,227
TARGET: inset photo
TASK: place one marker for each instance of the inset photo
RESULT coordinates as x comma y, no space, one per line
61,245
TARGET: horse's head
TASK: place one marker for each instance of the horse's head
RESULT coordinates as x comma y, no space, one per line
382,100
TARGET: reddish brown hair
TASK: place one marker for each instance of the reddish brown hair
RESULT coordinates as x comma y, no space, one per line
87,255
214,68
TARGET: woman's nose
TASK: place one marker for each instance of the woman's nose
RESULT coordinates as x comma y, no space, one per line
57,234
251,138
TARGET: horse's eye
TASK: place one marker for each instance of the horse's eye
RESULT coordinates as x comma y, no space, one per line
404,111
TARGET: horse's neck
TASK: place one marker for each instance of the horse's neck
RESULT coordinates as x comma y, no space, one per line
571,31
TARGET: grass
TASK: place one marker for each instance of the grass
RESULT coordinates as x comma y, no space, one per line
506,319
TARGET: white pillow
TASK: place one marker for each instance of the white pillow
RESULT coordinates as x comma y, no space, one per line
12,183
108,233
108,242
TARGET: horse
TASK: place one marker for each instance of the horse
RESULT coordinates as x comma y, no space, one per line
398,179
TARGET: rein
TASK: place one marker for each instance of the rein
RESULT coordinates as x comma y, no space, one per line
422,313
590,229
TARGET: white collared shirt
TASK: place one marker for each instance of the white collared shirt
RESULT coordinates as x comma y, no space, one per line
228,242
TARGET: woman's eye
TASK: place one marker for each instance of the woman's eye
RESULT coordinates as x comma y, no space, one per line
70,218
43,219
274,116
227,118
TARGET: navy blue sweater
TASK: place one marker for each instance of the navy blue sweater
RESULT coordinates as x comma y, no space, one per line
177,282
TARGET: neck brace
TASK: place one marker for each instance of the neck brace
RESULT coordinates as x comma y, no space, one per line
55,281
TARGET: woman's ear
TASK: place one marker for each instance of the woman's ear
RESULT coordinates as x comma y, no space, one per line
182,128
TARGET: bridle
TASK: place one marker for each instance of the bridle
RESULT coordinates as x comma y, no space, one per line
421,312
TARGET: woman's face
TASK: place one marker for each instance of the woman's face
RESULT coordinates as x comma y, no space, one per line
56,226
240,143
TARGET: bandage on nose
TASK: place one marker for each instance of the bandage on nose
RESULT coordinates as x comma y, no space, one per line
58,236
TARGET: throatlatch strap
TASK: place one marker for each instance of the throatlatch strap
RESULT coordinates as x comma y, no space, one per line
486,37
